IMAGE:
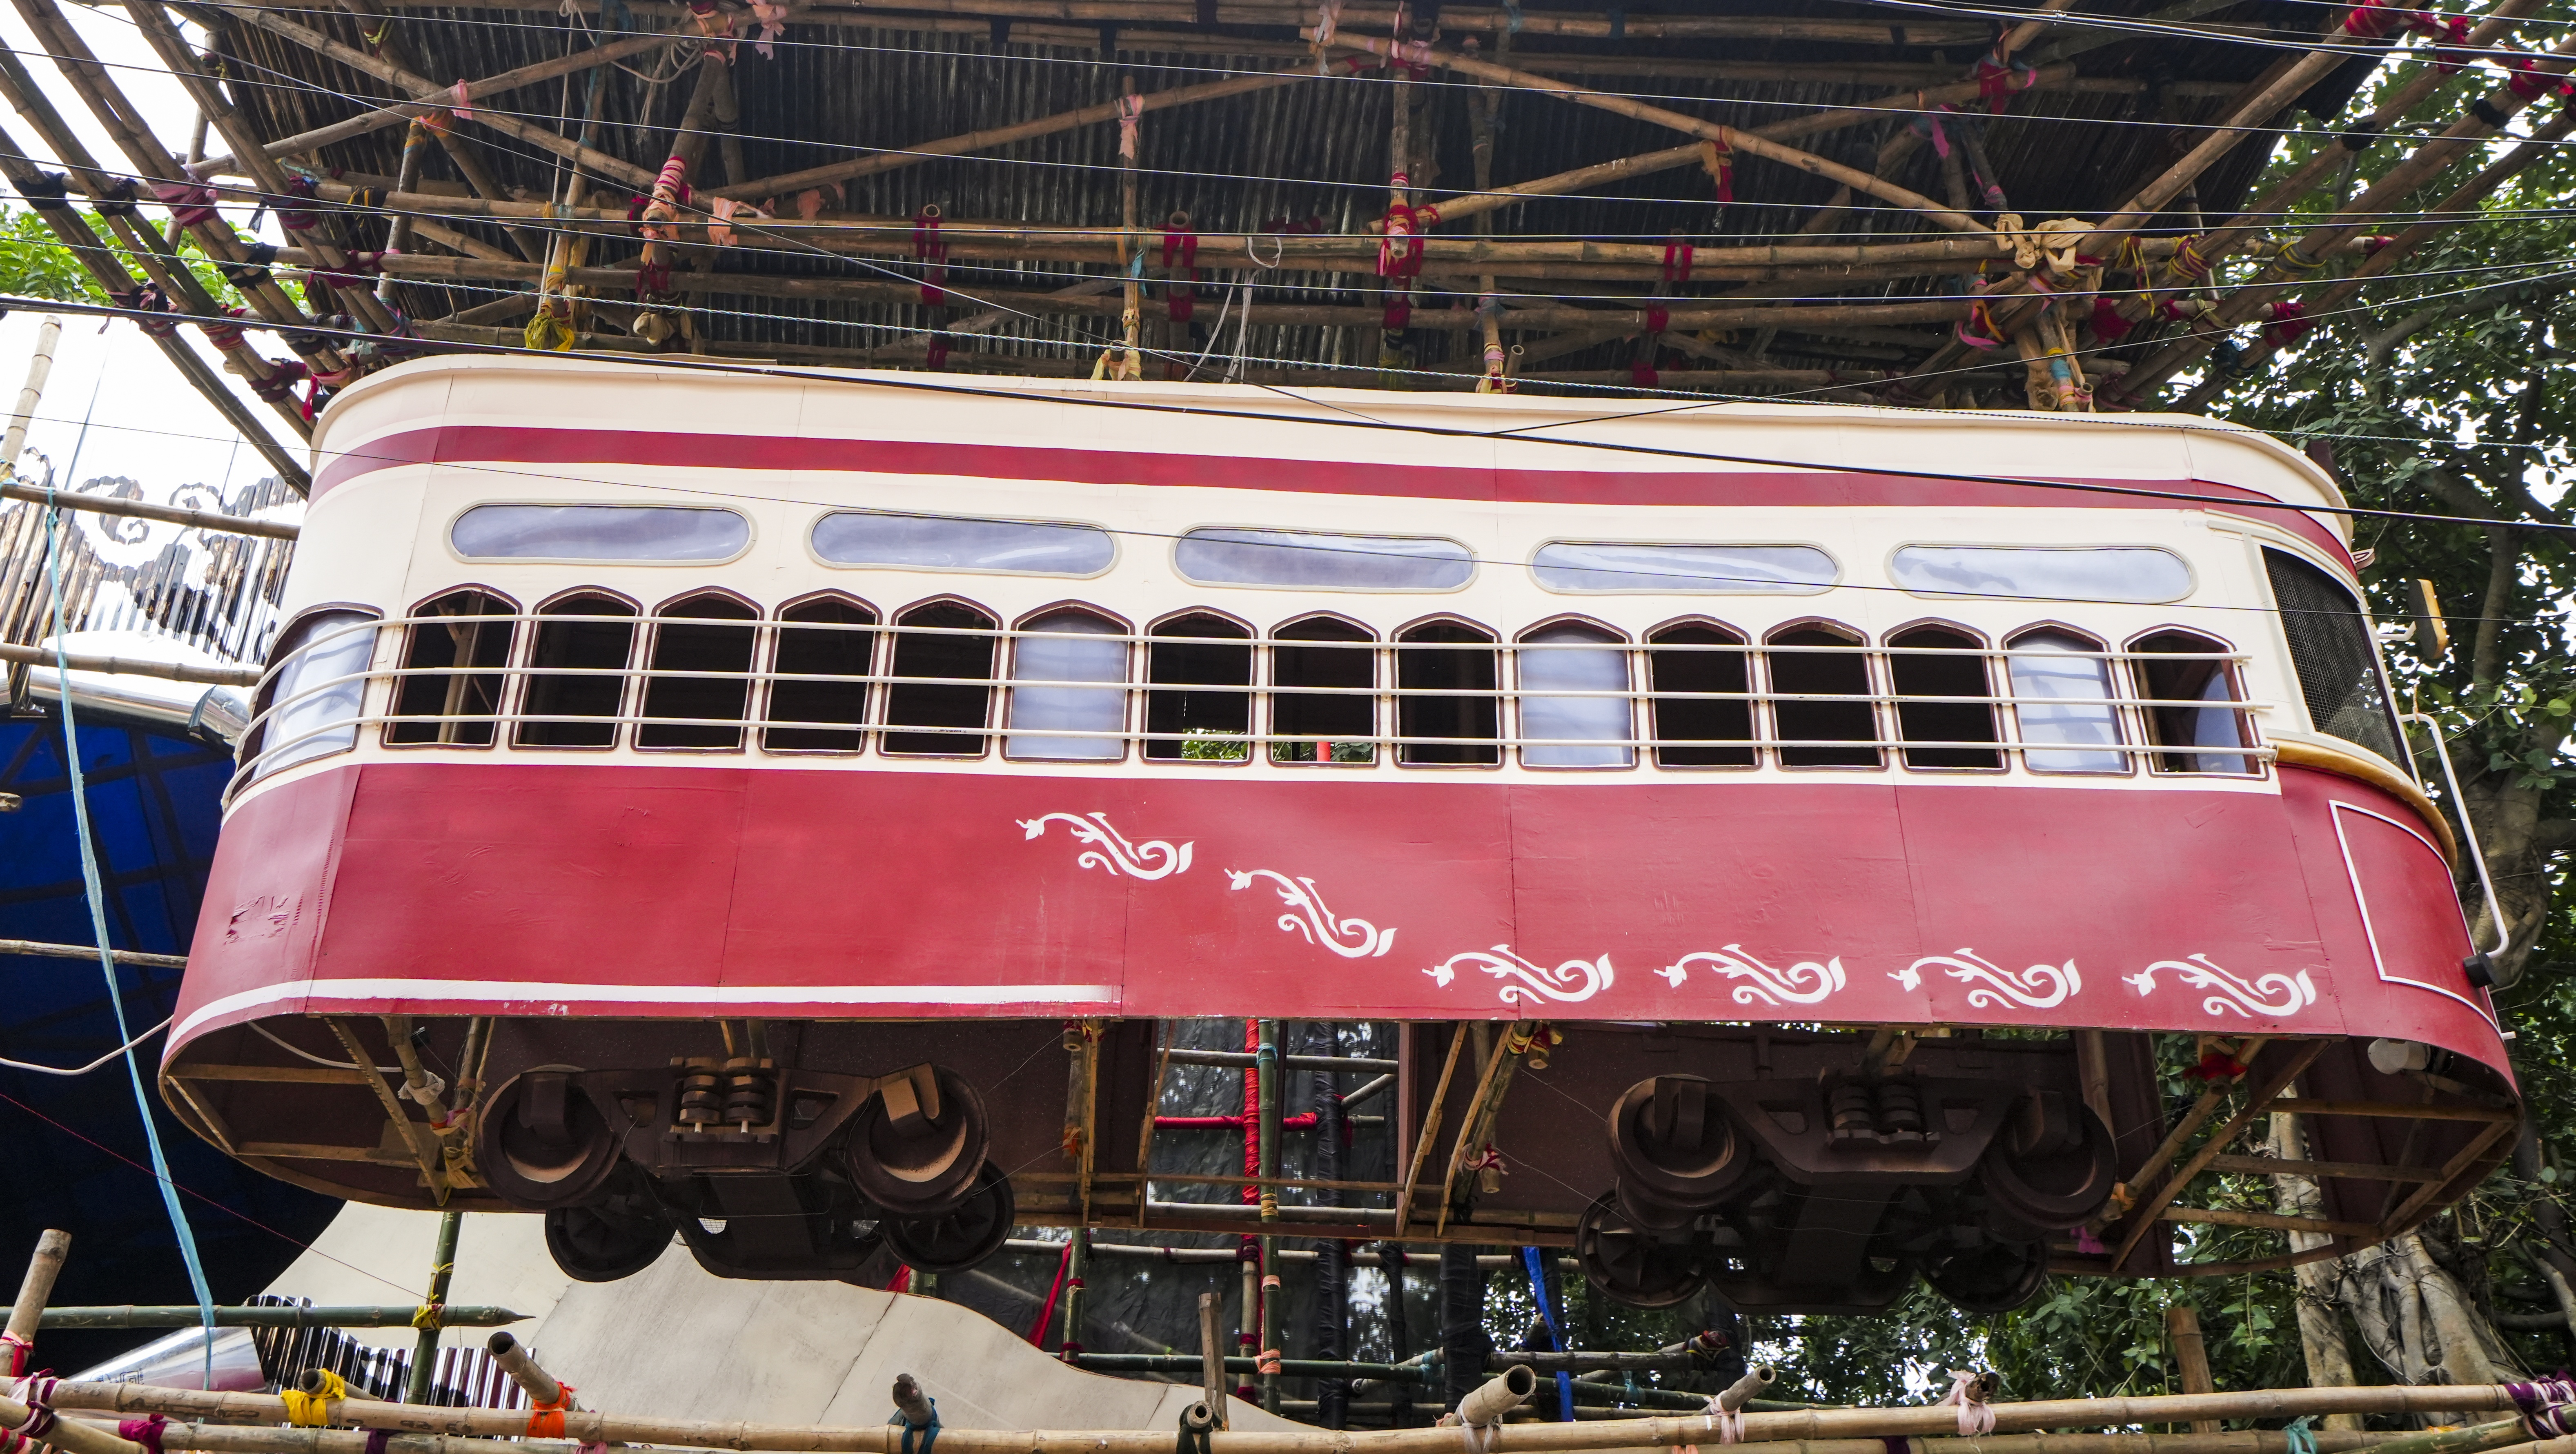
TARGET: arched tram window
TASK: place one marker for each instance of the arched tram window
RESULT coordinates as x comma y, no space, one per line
820,638
1700,677
1586,730
1334,720
1054,649
453,671
2337,662
1191,662
943,641
2061,689
1930,664
577,670
700,676
1821,696
316,692
2191,703
1432,661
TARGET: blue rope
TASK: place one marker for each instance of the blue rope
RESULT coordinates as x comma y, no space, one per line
1536,1261
97,896
2300,1440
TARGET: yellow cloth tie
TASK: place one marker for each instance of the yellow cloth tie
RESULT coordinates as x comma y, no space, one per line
546,331
313,1410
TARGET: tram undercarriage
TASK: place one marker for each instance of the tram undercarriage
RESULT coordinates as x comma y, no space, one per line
1788,1169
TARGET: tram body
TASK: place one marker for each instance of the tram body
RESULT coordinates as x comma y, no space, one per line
733,774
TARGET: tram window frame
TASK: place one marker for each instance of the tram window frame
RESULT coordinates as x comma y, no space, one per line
2038,590
534,677
403,728
894,697
1171,703
1818,756
1606,640
750,535
2307,670
1901,651
1278,696
654,734
2156,723
1475,751
2122,749
815,551
290,646
1539,569
1027,637
1732,643
775,731
1204,533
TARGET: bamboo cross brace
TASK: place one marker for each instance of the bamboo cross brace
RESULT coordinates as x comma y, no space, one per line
2258,1101
1490,1086
1430,1132
424,1148
975,141
399,112
1750,143
1153,1097
593,1426
461,149
2423,1197
588,158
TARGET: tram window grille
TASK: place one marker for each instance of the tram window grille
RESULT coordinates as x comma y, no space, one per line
2331,647
317,687
816,639
1189,714
965,702
1059,647
1435,659
1929,670
2190,731
2060,687
692,636
1567,730
1701,730
1826,675
1336,721
565,645
454,669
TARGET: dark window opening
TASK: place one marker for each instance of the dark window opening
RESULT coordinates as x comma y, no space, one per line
467,638
1835,684
1929,670
1445,657
1717,710
2338,663
1185,717
2192,705
1335,721
577,670
821,640
925,647
681,645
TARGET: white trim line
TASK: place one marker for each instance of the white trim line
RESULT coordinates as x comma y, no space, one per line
503,993
2336,808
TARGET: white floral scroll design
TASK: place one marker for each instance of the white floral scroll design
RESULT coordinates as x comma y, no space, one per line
1803,983
2040,987
2232,994
1307,915
1111,850
1524,982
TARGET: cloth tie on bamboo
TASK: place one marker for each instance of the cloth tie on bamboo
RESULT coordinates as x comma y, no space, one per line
378,1439
1968,1395
1328,20
2548,1406
716,24
146,1432
37,1393
2297,1436
1726,1423
773,24
1180,298
546,1420
720,214
1641,366
1998,76
283,375
1717,158
18,1350
148,299
927,1429
1131,117
313,1410
190,203
1046,1310
931,251
1677,261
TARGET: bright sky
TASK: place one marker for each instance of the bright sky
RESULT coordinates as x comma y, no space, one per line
142,419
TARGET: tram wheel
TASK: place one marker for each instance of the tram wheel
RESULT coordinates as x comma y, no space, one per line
1993,1279
615,1237
1670,1140
962,1236
915,1154
2053,1168
1629,1262
540,1142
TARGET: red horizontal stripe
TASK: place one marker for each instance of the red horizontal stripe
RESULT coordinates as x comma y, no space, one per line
487,444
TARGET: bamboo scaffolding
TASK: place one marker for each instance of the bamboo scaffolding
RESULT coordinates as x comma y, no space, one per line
281,1316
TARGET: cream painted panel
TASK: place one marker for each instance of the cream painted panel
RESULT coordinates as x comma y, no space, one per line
373,1255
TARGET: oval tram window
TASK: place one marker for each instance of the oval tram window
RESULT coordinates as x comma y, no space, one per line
1620,566
961,542
599,532
1245,557
2045,572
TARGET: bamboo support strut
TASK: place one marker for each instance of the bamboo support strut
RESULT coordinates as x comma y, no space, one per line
214,520
1767,1428
147,1316
187,1315
140,666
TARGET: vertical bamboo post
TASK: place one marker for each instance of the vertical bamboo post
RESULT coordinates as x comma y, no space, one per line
2191,1357
1078,1263
1211,1358
34,1290
1399,194
1266,1060
1484,110
40,367
415,154
1132,291
442,1267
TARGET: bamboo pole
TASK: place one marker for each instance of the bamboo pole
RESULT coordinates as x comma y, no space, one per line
515,1360
1750,143
40,367
220,676
460,148
214,520
26,1315
181,1316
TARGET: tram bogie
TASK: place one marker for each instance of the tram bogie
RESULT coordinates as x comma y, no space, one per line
762,829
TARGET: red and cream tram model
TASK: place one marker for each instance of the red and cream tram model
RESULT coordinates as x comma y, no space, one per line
756,791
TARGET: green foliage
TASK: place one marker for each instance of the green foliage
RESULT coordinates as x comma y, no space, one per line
34,263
